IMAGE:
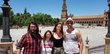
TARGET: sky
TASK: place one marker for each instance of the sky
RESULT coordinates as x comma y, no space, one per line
54,7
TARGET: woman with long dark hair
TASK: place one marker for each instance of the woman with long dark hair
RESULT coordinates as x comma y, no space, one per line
58,37
47,43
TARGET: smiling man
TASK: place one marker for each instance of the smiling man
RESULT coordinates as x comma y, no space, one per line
30,41
73,40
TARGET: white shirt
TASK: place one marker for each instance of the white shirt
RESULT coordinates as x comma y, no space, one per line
71,43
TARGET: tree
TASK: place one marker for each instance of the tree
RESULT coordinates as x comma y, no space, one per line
44,19
24,19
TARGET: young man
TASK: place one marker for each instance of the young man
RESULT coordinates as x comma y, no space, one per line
30,41
73,38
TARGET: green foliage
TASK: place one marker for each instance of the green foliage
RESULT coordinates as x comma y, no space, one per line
44,19
24,19
12,18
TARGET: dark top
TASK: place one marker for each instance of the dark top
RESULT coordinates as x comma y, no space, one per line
58,42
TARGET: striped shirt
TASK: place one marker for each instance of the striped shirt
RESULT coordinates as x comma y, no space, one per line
30,44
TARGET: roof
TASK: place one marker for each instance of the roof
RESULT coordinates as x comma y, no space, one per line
92,16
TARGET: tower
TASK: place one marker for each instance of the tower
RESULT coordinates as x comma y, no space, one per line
64,14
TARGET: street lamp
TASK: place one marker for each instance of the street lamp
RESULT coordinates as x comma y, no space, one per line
108,12
107,38
6,2
6,30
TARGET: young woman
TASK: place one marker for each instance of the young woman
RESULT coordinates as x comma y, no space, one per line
58,39
47,43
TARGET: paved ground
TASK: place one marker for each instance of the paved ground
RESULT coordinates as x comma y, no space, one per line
96,35
97,50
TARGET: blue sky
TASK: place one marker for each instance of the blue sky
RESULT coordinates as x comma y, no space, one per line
54,7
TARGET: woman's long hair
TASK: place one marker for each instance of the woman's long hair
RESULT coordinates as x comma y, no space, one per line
50,34
54,30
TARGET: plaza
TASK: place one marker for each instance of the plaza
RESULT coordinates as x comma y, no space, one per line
95,35
95,30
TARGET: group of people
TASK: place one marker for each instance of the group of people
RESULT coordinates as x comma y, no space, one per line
52,41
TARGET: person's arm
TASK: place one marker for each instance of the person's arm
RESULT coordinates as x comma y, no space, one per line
64,41
40,45
64,36
21,44
18,51
80,41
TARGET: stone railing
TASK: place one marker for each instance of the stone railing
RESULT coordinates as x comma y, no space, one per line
97,49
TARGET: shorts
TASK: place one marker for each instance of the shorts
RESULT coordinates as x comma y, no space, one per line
58,50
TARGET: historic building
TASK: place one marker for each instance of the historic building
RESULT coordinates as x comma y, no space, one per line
93,20
64,14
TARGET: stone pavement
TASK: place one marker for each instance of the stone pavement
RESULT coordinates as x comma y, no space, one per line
95,35
97,50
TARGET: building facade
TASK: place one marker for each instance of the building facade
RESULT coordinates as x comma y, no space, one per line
93,20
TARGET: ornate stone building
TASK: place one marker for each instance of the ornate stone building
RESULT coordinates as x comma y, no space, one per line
93,20
64,14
